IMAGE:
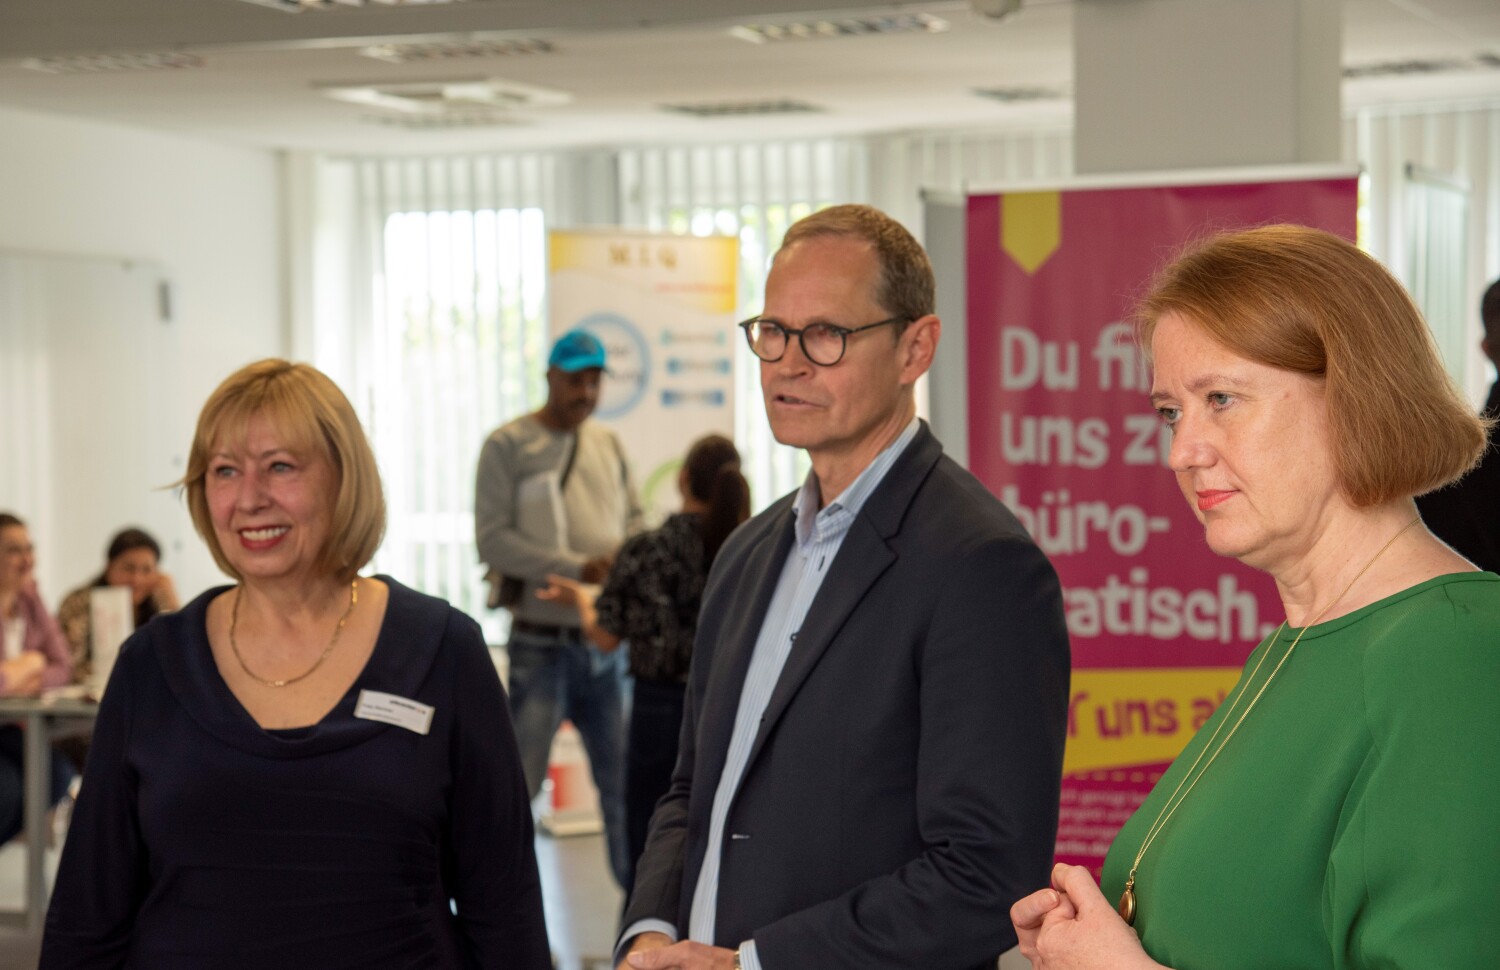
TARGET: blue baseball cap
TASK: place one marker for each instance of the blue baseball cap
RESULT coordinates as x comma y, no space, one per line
577,350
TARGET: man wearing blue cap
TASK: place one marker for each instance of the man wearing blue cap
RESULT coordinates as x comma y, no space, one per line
554,495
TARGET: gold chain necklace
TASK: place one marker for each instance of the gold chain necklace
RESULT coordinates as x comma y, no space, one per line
234,621
1127,906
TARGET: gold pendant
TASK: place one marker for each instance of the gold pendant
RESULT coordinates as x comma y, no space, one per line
1126,908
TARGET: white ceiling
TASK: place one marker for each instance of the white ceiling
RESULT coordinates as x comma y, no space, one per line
620,60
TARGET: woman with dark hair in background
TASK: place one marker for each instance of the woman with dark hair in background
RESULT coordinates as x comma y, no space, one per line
133,559
651,598
33,656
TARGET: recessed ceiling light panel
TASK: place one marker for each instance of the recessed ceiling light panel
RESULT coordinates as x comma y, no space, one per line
454,50
1019,94
737,109
110,63
917,23
450,121
297,6
1407,68
433,98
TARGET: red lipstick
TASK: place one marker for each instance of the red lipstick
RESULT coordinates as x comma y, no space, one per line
1212,497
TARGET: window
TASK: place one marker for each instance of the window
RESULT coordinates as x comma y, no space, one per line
463,329
453,301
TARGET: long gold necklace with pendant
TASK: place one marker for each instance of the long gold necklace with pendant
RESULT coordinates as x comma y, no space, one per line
234,621
1127,906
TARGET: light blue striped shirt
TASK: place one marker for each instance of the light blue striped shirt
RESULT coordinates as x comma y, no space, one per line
819,535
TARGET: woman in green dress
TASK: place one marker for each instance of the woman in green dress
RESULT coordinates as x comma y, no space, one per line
1339,809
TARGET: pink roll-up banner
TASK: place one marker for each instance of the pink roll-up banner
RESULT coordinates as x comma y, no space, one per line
1061,429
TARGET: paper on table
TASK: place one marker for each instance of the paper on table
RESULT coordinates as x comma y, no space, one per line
111,620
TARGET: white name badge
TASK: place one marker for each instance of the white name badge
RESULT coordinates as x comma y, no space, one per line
413,715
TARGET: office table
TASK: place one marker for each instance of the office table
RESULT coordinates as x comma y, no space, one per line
45,720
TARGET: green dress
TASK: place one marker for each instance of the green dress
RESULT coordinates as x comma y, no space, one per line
1353,821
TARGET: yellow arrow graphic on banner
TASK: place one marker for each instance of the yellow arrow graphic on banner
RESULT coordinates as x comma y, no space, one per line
1030,227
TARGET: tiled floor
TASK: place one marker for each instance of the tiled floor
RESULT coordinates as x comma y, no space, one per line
582,900
18,950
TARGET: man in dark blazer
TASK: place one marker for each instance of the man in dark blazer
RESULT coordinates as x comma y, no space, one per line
872,748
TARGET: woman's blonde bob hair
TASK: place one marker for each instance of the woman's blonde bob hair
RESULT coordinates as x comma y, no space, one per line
1309,302
315,417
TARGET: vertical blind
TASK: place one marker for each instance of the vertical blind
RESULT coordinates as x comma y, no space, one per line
903,166
1463,143
451,279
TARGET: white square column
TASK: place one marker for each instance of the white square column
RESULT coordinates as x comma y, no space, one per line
1177,84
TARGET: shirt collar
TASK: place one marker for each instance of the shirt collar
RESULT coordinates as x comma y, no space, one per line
836,517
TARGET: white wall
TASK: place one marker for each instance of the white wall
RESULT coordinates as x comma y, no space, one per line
211,215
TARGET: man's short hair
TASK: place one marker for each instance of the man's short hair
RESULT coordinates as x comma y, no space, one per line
1306,301
300,402
906,288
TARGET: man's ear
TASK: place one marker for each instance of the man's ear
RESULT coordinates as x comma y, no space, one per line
918,345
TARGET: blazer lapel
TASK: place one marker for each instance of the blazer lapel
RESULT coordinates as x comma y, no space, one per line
864,554
726,678
861,559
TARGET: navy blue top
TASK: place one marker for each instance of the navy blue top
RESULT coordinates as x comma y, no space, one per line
201,840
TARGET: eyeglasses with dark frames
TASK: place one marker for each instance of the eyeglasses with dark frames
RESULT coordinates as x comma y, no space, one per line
822,343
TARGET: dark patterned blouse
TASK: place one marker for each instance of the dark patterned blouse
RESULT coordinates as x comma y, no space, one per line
652,597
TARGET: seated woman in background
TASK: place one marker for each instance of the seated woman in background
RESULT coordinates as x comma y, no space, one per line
1338,809
33,656
310,768
132,560
651,598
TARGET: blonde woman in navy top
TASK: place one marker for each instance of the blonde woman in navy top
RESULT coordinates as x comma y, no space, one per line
310,768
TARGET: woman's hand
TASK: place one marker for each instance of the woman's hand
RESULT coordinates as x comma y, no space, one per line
567,592
1030,914
164,594
581,596
596,570
1073,927
22,676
